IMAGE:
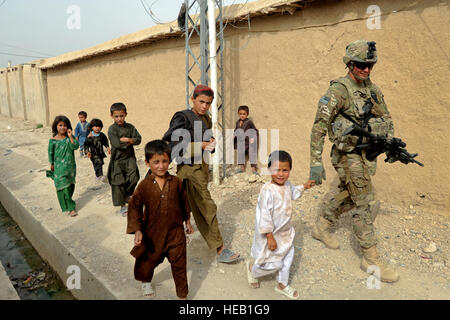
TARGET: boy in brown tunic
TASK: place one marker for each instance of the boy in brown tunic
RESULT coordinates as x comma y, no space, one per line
156,213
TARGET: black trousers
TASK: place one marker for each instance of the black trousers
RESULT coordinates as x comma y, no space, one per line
98,168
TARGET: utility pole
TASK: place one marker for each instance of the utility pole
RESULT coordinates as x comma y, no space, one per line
213,73
210,58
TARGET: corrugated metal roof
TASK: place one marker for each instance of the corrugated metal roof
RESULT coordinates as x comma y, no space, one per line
237,12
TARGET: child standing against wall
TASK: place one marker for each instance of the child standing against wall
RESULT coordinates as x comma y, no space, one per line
123,172
273,248
94,144
246,133
62,163
82,131
156,213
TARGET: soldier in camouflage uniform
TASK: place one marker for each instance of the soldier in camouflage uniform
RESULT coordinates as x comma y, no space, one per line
352,99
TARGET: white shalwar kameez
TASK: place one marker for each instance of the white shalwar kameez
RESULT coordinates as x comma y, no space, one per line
273,214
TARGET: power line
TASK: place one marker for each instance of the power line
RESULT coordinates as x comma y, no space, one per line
15,47
231,24
229,7
150,13
20,55
2,3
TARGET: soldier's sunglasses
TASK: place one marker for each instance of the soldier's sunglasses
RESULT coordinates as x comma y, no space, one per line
363,65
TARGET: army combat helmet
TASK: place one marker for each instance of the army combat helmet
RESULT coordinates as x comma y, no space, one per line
361,51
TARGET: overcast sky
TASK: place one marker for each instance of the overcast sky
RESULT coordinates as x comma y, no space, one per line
42,28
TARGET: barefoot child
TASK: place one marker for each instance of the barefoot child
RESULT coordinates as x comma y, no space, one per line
62,163
123,173
249,133
82,131
94,144
156,214
272,247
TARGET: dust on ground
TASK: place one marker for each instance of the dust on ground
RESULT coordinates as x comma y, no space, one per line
404,234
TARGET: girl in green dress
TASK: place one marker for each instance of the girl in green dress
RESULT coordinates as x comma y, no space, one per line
62,163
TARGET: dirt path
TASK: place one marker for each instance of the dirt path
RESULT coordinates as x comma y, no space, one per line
98,234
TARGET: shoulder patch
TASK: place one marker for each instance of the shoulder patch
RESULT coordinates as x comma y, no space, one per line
324,100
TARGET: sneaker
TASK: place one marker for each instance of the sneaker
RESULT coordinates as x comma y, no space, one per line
124,211
238,170
147,290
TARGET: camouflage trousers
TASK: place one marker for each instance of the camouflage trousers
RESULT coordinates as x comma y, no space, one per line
356,195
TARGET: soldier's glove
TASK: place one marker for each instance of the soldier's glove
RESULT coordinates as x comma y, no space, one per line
317,173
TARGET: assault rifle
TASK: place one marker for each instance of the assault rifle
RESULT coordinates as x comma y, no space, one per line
395,148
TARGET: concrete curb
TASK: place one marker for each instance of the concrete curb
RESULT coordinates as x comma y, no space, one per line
7,291
53,251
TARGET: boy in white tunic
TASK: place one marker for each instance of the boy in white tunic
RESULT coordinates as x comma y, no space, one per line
273,248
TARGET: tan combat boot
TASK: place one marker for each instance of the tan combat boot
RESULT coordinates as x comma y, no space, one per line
370,258
321,232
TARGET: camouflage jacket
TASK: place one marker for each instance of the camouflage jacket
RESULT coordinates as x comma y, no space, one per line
350,96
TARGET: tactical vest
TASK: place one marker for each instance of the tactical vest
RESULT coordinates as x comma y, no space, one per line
365,106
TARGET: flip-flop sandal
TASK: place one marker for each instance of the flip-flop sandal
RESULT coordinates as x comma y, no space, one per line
288,291
147,290
73,213
254,283
226,256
